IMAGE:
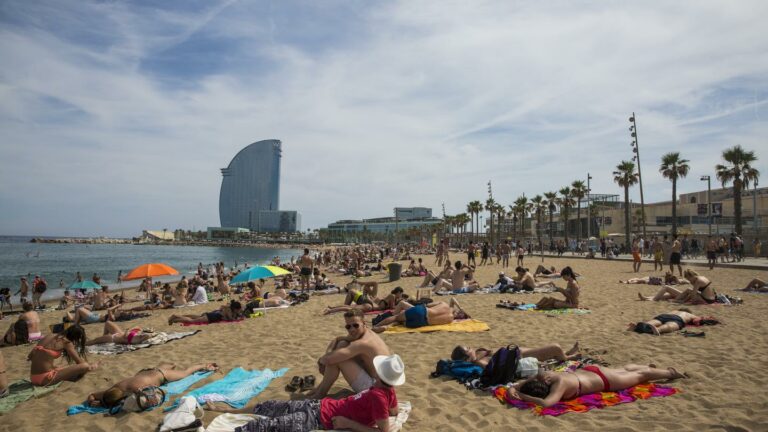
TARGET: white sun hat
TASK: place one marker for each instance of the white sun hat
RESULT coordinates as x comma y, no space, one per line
390,369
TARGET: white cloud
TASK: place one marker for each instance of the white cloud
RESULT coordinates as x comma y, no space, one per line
408,103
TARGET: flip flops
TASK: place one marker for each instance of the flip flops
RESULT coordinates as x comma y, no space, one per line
687,333
309,383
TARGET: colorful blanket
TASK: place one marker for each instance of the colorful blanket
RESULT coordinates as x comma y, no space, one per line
468,326
587,402
171,388
235,389
21,391
159,339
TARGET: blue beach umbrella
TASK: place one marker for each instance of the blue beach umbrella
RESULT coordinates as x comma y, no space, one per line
259,272
85,285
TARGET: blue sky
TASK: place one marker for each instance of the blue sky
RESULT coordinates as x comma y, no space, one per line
116,116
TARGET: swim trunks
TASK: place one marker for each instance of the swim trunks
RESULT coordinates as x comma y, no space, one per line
214,317
92,317
675,258
636,257
665,318
416,317
363,382
306,271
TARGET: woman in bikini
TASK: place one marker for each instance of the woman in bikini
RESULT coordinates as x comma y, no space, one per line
150,377
700,293
364,300
114,334
225,313
571,293
549,388
70,344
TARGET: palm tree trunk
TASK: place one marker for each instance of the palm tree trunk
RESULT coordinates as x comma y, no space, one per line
550,225
626,216
737,203
578,218
674,206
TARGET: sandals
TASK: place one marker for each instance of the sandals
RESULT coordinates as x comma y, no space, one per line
309,383
296,383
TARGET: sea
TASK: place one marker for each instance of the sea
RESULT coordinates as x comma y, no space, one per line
59,263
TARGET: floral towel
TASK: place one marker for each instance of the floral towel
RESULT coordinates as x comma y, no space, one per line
590,401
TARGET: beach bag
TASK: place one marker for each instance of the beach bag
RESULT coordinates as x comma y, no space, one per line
41,286
145,399
502,368
463,371
527,367
184,417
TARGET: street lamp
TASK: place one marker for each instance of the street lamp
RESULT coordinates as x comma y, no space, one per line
589,220
754,208
708,179
636,151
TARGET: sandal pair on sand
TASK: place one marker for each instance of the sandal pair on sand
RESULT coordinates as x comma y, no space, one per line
299,383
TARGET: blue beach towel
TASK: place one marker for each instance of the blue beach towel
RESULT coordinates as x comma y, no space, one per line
172,388
235,389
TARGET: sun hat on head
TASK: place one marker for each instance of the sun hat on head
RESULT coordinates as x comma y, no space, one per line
390,369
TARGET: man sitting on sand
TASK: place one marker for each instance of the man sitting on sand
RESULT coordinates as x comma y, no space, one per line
549,388
151,377
365,411
351,356
433,279
670,322
421,315
481,356
458,283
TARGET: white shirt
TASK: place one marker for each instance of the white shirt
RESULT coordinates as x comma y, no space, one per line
201,296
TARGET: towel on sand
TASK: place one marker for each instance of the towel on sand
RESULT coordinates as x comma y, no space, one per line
171,388
21,391
229,422
468,326
159,339
531,307
208,323
235,389
590,401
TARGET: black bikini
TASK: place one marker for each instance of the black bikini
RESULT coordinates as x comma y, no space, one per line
701,290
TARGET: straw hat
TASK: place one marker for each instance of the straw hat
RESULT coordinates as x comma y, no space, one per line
390,369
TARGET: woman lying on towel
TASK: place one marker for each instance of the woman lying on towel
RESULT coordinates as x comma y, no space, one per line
671,322
571,293
230,312
669,279
549,388
70,344
701,292
551,272
146,378
114,334
421,315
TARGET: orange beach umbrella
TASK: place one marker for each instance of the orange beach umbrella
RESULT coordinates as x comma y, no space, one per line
150,270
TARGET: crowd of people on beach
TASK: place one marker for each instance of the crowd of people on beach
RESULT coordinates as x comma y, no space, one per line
359,356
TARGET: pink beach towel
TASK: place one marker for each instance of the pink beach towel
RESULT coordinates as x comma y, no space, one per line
590,401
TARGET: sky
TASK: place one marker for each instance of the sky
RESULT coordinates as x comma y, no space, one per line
117,116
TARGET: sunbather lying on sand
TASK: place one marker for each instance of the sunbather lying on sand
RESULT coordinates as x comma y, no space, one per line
114,334
756,285
366,411
669,279
225,313
668,322
701,293
151,377
351,356
365,300
549,388
571,293
421,315
481,356
551,272
86,316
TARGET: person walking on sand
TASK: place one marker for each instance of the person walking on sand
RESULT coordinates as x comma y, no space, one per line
23,290
658,254
711,250
471,253
675,256
637,259
350,356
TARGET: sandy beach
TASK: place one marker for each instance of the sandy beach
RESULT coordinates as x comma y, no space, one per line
726,389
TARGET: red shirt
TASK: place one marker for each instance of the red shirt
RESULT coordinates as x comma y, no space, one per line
365,407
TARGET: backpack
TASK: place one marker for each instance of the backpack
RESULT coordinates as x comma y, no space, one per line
502,368
463,371
41,286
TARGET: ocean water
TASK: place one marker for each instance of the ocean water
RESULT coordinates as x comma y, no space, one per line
61,262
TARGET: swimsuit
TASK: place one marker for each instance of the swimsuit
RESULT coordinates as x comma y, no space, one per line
462,290
416,317
701,290
214,317
163,382
665,318
675,258
92,317
45,378
132,334
595,370
306,271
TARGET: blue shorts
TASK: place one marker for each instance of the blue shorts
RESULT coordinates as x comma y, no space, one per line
416,317
462,290
93,317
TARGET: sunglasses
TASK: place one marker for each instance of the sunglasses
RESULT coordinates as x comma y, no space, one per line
349,326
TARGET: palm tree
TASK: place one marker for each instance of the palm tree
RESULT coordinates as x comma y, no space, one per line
552,206
471,213
674,167
566,202
578,191
519,209
626,176
538,204
477,209
740,172
490,205
500,215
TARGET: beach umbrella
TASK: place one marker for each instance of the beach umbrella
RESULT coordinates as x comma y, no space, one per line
85,285
150,270
259,272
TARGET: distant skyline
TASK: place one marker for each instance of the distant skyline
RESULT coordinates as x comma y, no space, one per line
117,116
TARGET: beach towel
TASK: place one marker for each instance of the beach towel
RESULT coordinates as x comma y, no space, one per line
531,307
467,326
209,323
159,339
229,422
235,389
172,388
21,391
587,402
132,316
